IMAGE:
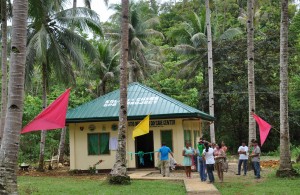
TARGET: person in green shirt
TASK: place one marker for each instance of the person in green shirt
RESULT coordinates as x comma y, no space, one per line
201,161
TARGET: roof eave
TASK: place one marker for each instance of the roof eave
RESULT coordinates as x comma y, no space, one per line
162,116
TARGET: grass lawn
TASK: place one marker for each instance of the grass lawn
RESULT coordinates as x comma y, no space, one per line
268,184
80,186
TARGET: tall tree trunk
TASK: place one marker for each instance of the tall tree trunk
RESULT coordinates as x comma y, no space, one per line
210,72
4,67
61,149
118,174
11,137
285,167
74,3
43,132
251,83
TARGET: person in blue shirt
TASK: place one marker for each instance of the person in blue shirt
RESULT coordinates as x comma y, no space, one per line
163,154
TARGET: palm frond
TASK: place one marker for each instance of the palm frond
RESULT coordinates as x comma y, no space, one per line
154,33
152,22
136,43
38,43
185,49
59,59
83,18
68,36
29,67
199,39
230,33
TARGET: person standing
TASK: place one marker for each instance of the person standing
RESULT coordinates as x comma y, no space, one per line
201,161
224,147
188,154
255,157
219,160
243,158
163,154
208,154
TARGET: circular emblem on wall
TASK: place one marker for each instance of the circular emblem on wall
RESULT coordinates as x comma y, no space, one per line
92,127
114,127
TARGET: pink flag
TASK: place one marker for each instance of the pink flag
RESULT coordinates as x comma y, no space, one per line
264,128
53,117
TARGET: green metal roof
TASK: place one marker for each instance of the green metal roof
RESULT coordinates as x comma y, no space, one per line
141,101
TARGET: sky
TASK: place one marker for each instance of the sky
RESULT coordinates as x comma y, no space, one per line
100,7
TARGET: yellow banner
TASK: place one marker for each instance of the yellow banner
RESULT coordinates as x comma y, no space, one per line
142,128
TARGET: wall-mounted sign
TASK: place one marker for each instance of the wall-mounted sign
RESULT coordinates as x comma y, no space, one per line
154,123
133,101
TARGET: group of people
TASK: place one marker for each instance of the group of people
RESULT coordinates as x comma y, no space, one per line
212,156
254,153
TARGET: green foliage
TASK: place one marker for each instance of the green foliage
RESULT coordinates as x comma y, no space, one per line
92,169
296,167
295,151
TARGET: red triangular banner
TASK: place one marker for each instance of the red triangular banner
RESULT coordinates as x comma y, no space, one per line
53,117
264,128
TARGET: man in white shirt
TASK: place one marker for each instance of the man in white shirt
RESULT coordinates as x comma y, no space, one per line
243,158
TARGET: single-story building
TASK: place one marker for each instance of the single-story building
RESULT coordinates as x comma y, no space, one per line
93,128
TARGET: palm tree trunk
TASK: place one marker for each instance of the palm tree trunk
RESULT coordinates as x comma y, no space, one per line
11,137
251,83
43,132
118,174
61,149
4,67
74,3
210,72
285,167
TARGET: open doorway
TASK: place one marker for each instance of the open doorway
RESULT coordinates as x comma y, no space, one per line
144,143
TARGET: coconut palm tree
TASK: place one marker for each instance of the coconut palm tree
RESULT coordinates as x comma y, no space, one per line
54,48
192,39
197,38
118,174
250,56
105,66
6,12
285,167
11,137
4,66
140,29
210,71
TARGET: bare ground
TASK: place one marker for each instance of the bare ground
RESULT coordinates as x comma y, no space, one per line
266,167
